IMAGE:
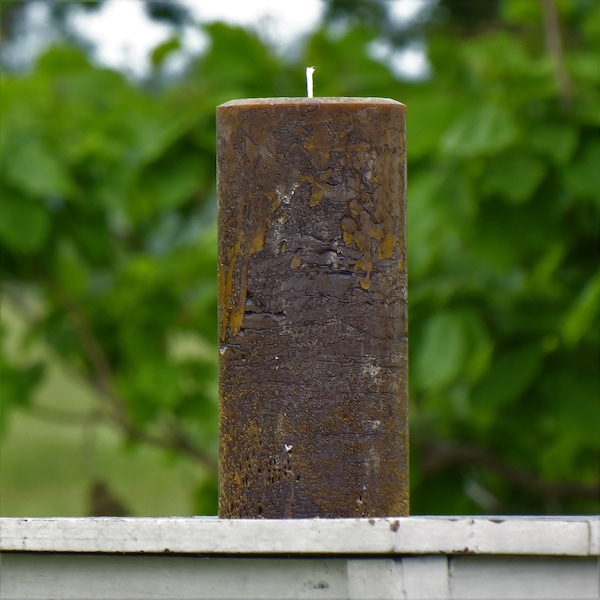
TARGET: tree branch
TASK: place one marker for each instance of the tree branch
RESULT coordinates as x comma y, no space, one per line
443,454
554,46
93,351
176,440
67,417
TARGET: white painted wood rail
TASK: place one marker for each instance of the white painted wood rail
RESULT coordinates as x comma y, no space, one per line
404,558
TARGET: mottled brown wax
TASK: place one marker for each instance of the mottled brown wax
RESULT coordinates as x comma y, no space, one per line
312,308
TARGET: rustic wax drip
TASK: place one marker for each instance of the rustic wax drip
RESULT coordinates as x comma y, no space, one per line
312,308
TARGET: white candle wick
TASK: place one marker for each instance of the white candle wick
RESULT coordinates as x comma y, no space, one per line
309,81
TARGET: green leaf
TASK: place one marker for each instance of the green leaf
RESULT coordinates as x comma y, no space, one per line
583,175
24,223
584,66
480,346
441,352
162,51
519,12
440,210
206,497
515,177
553,140
582,314
63,58
157,382
427,114
70,269
17,386
165,186
509,377
543,275
233,59
572,397
482,130
35,170
351,68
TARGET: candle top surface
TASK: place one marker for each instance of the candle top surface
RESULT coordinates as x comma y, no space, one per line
310,101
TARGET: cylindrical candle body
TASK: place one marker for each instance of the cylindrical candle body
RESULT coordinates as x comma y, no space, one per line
312,308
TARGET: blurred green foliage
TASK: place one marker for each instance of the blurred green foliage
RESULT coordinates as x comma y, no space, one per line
108,242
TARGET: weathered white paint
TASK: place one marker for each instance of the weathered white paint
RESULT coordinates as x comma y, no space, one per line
105,577
558,536
519,578
425,577
28,576
415,558
595,536
363,572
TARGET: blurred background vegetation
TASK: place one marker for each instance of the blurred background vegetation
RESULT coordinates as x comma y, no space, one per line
108,390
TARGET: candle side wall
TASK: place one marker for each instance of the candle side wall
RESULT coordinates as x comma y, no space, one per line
312,309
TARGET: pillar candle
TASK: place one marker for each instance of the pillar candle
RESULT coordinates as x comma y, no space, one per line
312,308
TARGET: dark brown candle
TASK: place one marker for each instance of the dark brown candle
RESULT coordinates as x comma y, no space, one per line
312,308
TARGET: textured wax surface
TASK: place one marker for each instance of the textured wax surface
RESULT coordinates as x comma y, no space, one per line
312,308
